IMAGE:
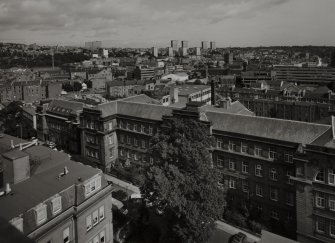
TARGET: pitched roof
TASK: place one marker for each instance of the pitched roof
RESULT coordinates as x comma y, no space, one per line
107,109
277,129
65,106
142,98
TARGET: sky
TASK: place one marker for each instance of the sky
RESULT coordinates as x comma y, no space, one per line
146,23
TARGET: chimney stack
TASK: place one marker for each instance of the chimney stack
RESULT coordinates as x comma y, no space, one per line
213,102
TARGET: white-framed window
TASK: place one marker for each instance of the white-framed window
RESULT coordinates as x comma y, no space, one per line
231,164
92,185
273,174
331,202
111,139
290,198
102,237
66,235
258,151
128,140
121,152
219,143
220,162
332,228
17,223
299,171
128,154
88,222
150,130
288,158
331,177
245,186
135,156
135,142
244,148
272,154
258,170
320,176
231,146
274,194
111,152
320,224
135,127
259,190
41,213
56,205
275,214
95,217
142,128
110,126
232,183
121,138
101,212
319,199
245,167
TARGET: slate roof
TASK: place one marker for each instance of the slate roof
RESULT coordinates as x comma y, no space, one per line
236,107
277,129
65,106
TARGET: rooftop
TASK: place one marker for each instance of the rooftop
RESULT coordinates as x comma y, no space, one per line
185,90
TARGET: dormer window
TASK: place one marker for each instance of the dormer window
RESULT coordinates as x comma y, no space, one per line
56,205
17,223
320,176
41,213
92,186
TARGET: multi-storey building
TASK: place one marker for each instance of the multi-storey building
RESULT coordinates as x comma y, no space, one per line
184,44
144,72
174,45
58,122
50,198
204,45
213,45
304,75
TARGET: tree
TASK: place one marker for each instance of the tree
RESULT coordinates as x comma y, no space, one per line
182,178
77,86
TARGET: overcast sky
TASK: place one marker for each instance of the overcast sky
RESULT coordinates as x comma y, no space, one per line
146,23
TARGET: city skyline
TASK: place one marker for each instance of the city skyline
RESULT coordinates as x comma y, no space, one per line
146,23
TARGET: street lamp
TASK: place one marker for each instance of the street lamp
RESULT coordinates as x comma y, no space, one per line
20,125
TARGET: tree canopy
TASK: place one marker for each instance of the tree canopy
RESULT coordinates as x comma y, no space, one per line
181,176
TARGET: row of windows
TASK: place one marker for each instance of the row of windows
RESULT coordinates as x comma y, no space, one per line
255,150
129,154
325,226
92,139
133,141
323,200
92,185
325,176
259,191
136,127
258,168
99,238
94,218
92,153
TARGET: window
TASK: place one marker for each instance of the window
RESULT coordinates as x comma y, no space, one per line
151,160
129,126
135,142
102,236
274,194
289,174
290,198
245,167
41,213
142,128
320,199
128,140
219,143
259,190
110,126
273,174
135,156
231,146
111,139
320,176
258,151
288,158
331,177
332,228
121,152
111,152
92,185
299,171
150,130
135,127
88,222
66,235
102,212
244,148
96,239
232,183
275,214
320,224
122,138
259,208
220,162
272,154
95,217
258,170
143,143
232,164
128,154
245,186
56,205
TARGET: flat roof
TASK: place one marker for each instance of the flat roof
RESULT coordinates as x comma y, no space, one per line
190,89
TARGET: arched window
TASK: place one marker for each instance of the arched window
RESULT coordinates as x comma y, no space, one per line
320,176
